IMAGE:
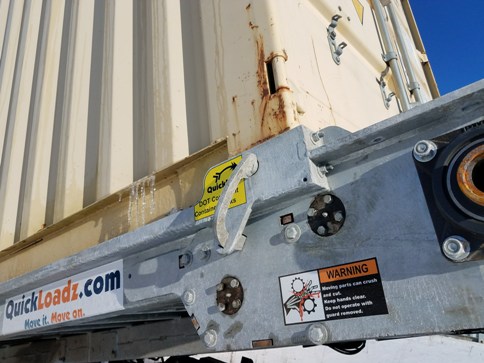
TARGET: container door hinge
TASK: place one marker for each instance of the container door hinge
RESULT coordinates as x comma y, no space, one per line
336,49
228,224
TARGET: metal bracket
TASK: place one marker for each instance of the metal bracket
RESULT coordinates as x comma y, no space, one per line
231,238
336,49
386,97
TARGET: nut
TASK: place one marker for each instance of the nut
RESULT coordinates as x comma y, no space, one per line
189,297
456,248
292,233
234,283
338,216
210,338
327,199
220,287
424,151
317,334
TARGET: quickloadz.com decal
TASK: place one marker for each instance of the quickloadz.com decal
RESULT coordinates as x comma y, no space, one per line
90,293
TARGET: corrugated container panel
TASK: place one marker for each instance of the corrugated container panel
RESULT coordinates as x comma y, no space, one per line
96,94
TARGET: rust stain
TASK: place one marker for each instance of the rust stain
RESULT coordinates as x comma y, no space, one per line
467,175
252,26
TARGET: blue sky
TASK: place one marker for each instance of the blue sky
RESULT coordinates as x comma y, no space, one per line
453,36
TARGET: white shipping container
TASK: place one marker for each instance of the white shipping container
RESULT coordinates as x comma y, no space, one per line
97,95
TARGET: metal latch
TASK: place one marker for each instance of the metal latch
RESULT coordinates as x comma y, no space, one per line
336,49
229,224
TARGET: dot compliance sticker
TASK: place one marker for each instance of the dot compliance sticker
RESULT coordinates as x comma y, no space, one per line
337,292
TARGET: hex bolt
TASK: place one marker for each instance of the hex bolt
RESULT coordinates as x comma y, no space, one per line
189,297
236,303
311,212
327,199
338,216
424,151
220,287
221,306
210,338
317,334
234,283
321,230
456,248
292,233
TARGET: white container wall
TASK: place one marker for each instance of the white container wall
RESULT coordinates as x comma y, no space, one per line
97,94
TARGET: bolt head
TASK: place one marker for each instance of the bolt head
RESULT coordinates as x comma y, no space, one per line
424,151
220,287
234,283
327,199
338,216
221,306
236,304
321,230
189,297
210,338
292,233
456,248
317,334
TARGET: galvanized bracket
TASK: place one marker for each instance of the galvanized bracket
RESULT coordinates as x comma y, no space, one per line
386,97
336,49
228,226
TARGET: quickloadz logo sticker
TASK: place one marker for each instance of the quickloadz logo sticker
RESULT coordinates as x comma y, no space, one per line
213,185
338,292
91,293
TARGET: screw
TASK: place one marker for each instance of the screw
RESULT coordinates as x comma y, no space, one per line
220,287
210,338
236,303
316,136
221,306
327,199
338,216
321,230
456,248
424,151
189,297
185,260
317,334
292,233
204,253
234,283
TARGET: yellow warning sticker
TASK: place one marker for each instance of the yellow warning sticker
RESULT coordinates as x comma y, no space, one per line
214,182
360,10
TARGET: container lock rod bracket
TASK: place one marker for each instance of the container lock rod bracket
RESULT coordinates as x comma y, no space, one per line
336,49
386,97
228,226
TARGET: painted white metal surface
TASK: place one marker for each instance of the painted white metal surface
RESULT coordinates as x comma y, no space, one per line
97,94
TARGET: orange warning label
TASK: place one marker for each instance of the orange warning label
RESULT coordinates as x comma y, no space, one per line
348,271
